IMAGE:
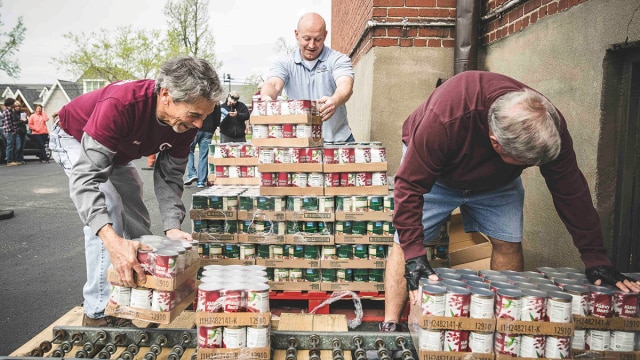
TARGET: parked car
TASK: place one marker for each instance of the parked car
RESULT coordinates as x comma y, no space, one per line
30,148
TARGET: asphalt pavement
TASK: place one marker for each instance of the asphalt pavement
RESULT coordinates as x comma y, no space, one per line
42,266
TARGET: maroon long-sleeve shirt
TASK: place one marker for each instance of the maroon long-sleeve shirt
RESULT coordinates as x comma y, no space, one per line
447,140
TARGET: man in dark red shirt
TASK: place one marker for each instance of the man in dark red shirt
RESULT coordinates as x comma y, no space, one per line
466,147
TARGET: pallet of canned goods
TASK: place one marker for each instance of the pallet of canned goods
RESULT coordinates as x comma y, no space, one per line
233,154
232,313
293,130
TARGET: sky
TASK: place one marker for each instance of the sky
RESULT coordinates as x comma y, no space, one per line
245,31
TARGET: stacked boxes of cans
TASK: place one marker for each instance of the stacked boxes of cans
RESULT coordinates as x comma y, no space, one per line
233,164
232,313
170,268
533,314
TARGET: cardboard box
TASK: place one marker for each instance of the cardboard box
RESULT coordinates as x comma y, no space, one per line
592,322
289,263
261,239
289,142
294,286
468,249
233,319
352,264
309,239
310,216
352,286
534,327
263,353
261,215
233,181
357,190
211,214
363,239
291,191
364,215
245,161
306,119
158,283
215,238
356,167
292,168
457,323
160,317
243,262
449,355
605,355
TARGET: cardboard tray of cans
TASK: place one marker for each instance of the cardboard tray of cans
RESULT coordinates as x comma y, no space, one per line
355,167
238,161
265,215
243,262
519,327
291,190
363,239
289,263
229,320
160,317
294,286
304,239
215,238
310,216
293,168
352,286
233,181
446,355
264,238
159,283
614,323
352,264
357,190
604,355
213,214
364,215
304,119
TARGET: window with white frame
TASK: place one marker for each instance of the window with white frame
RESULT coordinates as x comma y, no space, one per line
92,84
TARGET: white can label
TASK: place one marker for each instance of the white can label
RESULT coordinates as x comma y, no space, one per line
532,346
234,338
480,342
141,298
431,340
622,341
257,337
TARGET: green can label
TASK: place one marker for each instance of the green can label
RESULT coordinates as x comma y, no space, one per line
310,203
388,203
344,275
200,202
296,252
359,227
375,227
311,252
215,202
360,275
344,251
231,251
294,203
246,203
376,203
310,227
264,251
360,251
312,275
329,275
265,203
376,275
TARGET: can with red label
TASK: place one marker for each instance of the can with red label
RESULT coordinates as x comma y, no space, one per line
456,340
431,339
362,154
557,347
330,155
316,131
347,179
625,305
266,179
147,260
234,298
346,155
209,337
209,297
378,154
480,342
331,179
508,303
580,299
299,179
294,153
166,263
288,131
162,300
234,151
283,179
600,303
507,344
457,301
313,155
281,155
378,178
257,297
532,346
222,171
363,179
433,300
273,107
534,305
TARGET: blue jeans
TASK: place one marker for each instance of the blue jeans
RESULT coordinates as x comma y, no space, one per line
11,143
202,139
20,142
41,139
124,201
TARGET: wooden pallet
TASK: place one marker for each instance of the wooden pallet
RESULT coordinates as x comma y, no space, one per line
306,322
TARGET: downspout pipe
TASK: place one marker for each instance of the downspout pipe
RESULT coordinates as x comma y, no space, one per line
465,53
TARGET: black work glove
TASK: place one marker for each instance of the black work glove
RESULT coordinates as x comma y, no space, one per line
416,269
608,275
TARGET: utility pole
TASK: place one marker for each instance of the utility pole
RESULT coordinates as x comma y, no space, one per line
227,78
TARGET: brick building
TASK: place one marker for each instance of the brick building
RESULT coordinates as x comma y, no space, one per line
582,54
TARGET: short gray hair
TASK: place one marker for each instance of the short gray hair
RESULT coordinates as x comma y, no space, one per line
527,126
188,79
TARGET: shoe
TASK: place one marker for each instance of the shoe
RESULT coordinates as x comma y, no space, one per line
107,321
392,327
13,163
22,163
6,214
200,185
190,180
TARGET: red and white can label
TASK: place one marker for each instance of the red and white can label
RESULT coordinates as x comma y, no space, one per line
245,150
120,295
300,106
234,338
163,300
578,341
303,131
316,131
580,299
507,344
273,107
147,259
532,346
209,337
598,340
457,302
234,300
600,303
257,336
288,131
281,155
456,340
346,155
331,179
363,179
331,155
480,342
362,154
222,171
275,131
266,179
347,179
508,304
378,178
224,150
481,304
166,264
378,154
559,307
234,171
209,298
266,156
431,340
622,340
433,300
295,155
283,179
315,179
299,179
285,109
244,171
260,131
258,298
534,305
234,151
557,347
625,305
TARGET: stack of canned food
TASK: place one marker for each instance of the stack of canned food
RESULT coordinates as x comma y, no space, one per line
548,294
233,289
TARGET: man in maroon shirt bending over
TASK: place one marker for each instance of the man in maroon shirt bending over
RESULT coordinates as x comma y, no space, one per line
466,147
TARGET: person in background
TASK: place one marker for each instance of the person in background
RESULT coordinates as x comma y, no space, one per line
466,147
315,72
9,127
96,139
20,120
202,140
39,132
235,116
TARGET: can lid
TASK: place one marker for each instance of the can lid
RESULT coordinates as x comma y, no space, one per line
434,289
580,289
512,292
563,296
210,286
482,291
458,290
534,293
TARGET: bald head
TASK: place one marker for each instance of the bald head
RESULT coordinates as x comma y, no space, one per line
310,34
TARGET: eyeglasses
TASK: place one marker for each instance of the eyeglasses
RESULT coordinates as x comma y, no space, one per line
234,98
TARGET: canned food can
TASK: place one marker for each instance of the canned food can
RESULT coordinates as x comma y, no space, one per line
234,151
329,275
433,300
362,154
215,251
431,340
162,300
316,131
558,307
578,341
622,340
283,179
534,305
347,179
378,154
209,337
344,251
360,203
310,203
208,298
375,227
147,259
275,131
295,275
331,179
358,227
330,155
328,252
310,227
600,301
360,251
360,275
480,342
141,298
231,251
288,131
507,344
281,155
299,179
247,251
532,346
222,171
375,203
234,171
315,179
598,340
344,275
259,131
388,203
557,347
257,336
376,275
346,155
266,156
266,179
303,131
363,179
326,204
280,275
456,340
120,295
378,178
625,305
457,301
508,303
234,337
312,275
481,303
234,299
166,263
295,156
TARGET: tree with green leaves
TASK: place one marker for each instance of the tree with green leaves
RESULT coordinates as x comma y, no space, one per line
124,54
189,21
10,42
